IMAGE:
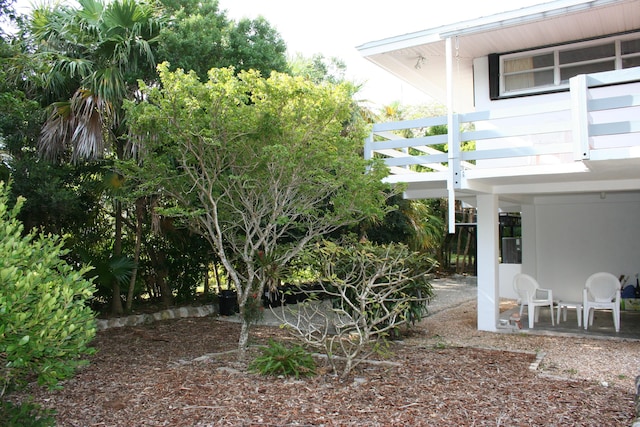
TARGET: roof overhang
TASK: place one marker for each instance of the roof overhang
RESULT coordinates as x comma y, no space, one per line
419,58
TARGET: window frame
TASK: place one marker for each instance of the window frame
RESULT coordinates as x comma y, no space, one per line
497,75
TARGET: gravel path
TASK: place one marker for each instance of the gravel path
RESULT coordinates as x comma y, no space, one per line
452,291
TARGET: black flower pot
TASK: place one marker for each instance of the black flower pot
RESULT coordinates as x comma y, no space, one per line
228,302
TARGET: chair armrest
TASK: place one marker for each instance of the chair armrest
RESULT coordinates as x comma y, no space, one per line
542,293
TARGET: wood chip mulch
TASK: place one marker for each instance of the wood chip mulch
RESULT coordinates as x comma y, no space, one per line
185,373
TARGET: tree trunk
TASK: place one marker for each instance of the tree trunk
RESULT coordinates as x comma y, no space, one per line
458,249
215,271
470,235
206,281
158,260
243,341
244,293
166,294
116,302
140,204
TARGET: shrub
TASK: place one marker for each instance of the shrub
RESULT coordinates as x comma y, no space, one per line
374,289
278,359
45,323
398,276
26,414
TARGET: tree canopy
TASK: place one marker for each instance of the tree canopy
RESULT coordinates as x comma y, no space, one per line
199,37
260,167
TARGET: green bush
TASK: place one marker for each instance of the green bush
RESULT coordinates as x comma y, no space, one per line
278,359
45,323
399,264
26,414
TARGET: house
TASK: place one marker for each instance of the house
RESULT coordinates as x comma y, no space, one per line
551,96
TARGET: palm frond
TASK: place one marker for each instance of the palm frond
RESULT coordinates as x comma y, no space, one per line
90,111
108,84
57,131
90,12
72,67
91,51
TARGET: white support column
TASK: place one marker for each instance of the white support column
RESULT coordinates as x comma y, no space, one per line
451,184
529,237
488,273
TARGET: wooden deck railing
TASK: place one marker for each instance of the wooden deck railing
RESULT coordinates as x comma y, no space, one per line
593,123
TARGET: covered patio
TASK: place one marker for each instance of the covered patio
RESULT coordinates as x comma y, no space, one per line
602,323
457,290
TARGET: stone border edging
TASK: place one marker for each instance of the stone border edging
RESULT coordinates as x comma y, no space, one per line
636,421
536,363
144,319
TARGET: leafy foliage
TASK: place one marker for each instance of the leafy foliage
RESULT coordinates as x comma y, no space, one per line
259,167
25,414
45,324
200,37
318,69
278,359
96,51
357,265
413,223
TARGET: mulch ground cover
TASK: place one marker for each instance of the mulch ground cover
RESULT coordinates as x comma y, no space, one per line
185,373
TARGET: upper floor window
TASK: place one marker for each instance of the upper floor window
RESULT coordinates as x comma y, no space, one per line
551,68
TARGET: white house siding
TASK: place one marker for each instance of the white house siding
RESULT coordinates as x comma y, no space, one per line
570,229
577,236
619,115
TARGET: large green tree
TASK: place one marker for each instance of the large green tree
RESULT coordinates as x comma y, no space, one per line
318,69
200,37
259,167
94,53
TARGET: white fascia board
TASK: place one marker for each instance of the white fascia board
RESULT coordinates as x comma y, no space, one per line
480,25
399,42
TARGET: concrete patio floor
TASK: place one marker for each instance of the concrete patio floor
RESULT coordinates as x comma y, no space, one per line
455,290
602,324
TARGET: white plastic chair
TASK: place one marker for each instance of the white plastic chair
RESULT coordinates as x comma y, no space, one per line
601,292
533,296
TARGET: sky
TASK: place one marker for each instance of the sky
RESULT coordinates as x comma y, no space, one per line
334,28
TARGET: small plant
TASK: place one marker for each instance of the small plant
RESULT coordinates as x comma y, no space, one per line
440,345
278,359
26,414
370,290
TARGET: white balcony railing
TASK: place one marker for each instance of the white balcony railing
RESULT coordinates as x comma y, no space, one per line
600,119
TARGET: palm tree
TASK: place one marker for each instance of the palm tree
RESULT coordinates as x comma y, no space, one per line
94,55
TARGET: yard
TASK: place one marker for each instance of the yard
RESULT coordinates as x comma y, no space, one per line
184,373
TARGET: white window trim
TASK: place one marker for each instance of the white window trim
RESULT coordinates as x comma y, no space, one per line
558,84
